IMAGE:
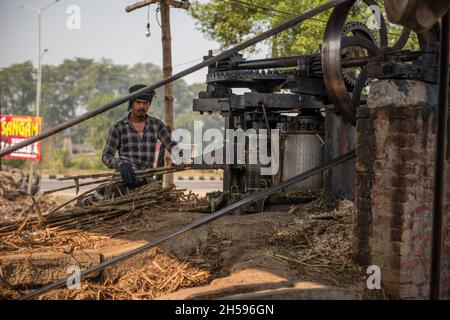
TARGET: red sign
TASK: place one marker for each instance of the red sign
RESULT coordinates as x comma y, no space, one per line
14,129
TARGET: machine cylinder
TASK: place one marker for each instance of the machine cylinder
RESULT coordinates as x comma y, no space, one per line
303,150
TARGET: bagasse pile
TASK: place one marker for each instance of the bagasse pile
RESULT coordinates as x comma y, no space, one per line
165,274
16,205
113,211
319,244
81,227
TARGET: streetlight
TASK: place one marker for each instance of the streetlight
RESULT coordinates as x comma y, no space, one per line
39,71
40,53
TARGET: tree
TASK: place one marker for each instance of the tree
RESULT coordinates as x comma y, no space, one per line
229,22
96,129
79,85
18,90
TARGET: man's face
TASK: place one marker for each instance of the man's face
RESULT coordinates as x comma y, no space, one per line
140,108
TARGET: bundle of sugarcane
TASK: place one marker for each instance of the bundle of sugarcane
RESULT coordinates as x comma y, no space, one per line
150,195
115,177
87,217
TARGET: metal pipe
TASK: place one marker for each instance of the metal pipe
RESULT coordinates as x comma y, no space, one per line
441,153
88,115
200,222
270,63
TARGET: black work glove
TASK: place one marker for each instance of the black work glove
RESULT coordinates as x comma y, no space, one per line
127,174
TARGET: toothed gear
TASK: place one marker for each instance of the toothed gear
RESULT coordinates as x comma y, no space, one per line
359,30
261,80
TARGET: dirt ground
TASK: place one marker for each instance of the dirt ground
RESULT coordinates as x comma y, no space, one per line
233,255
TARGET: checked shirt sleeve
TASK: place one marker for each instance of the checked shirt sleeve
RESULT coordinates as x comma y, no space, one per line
165,136
109,152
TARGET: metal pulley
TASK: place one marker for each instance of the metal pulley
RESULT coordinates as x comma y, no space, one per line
346,88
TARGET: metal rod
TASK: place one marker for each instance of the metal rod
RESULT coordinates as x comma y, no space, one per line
88,115
441,153
270,63
200,222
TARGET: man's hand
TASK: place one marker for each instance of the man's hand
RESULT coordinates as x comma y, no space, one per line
127,173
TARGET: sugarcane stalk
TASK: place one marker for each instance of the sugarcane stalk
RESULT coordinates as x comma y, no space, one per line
138,175
115,174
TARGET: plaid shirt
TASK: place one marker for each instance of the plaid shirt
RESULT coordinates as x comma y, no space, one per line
126,141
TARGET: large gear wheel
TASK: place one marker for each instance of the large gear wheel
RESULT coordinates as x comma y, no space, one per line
360,30
337,39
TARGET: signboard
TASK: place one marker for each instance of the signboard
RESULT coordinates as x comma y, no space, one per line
14,129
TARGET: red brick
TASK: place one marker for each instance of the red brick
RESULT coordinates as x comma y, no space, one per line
402,140
383,247
380,232
419,249
409,263
380,124
401,190
393,261
405,126
406,249
409,155
403,168
409,181
406,235
382,220
408,292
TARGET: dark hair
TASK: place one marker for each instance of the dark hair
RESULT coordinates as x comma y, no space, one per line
148,96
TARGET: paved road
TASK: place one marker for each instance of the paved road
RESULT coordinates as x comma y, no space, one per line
198,186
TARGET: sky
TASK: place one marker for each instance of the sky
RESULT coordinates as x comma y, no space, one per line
106,31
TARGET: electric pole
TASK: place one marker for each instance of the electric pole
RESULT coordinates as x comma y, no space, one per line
40,55
167,61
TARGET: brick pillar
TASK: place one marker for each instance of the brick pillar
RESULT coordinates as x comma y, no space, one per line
394,187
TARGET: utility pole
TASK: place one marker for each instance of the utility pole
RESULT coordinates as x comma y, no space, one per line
40,55
167,61
166,39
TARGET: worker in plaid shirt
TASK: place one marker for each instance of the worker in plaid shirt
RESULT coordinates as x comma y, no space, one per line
134,139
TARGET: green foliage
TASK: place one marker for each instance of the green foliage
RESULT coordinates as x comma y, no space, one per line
97,128
59,160
229,22
14,163
79,85
87,162
221,21
17,89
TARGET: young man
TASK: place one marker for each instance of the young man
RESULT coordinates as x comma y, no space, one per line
134,138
